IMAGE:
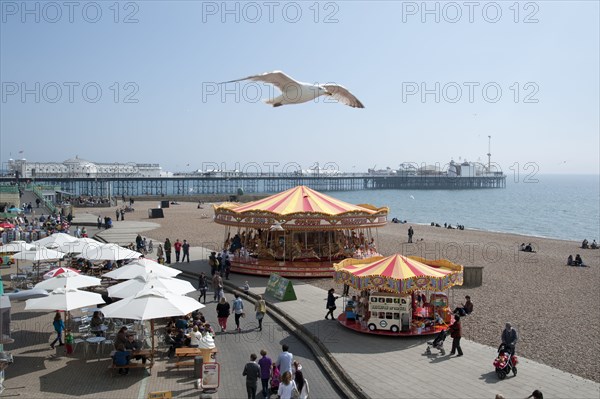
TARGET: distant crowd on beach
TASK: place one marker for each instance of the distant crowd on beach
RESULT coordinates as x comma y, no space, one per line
448,226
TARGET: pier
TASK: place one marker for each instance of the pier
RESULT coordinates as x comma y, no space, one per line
193,185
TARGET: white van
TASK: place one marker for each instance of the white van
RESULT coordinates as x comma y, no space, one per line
389,311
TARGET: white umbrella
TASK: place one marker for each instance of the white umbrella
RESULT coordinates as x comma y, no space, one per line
152,303
68,279
80,245
64,299
109,252
133,286
142,267
55,240
27,294
39,255
17,246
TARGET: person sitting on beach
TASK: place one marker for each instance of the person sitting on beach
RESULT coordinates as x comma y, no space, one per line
578,261
522,247
570,260
594,245
466,308
529,248
584,244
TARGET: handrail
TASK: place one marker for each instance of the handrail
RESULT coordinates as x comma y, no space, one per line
38,193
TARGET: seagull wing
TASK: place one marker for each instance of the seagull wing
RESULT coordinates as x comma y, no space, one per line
342,94
276,78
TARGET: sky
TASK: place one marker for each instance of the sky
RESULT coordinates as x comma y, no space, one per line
137,82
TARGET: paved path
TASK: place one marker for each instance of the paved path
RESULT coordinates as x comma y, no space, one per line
387,367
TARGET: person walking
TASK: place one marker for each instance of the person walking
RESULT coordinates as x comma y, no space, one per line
456,334
212,262
122,214
331,303
251,372
223,312
301,385
59,327
99,222
238,310
410,234
287,386
186,251
261,309
265,364
285,360
117,214
510,338
537,394
202,287
167,248
160,253
177,247
217,283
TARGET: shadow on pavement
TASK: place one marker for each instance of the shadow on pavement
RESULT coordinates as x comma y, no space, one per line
490,378
92,377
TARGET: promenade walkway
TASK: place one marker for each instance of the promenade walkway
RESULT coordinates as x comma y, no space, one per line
387,367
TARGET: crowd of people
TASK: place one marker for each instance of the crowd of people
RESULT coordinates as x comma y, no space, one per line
449,226
283,377
33,228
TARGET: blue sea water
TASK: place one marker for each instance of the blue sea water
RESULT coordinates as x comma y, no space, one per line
555,206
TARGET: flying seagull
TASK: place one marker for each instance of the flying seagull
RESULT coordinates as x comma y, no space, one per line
294,92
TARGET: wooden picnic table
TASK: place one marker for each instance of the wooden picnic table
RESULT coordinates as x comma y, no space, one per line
208,355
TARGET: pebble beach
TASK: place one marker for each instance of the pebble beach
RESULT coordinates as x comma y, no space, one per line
553,306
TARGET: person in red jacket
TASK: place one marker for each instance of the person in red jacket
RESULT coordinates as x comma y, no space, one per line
456,334
177,247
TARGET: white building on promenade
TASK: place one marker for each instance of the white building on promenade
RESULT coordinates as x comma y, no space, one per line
78,168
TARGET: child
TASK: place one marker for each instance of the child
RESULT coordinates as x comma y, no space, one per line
275,379
246,287
69,341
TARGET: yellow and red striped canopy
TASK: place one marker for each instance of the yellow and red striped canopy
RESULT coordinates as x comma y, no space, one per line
301,199
398,273
301,208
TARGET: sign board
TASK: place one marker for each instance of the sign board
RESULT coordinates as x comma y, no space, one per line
211,375
280,288
160,395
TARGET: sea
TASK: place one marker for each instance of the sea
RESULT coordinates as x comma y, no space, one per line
565,207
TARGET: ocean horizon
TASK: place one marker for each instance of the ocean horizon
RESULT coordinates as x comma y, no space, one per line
565,207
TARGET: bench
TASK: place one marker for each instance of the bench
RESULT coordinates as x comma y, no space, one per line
148,366
188,363
209,355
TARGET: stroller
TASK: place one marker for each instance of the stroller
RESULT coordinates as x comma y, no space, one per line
505,362
437,343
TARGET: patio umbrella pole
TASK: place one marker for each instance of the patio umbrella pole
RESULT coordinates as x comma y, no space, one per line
152,340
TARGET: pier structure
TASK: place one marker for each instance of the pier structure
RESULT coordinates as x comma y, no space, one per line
199,185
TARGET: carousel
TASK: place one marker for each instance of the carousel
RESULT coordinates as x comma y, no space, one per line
399,295
298,233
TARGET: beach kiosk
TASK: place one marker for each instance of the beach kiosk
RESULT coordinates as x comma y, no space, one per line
399,295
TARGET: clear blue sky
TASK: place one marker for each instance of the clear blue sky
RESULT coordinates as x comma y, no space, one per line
176,51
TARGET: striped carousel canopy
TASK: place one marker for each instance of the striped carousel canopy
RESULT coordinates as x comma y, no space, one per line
299,207
398,273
